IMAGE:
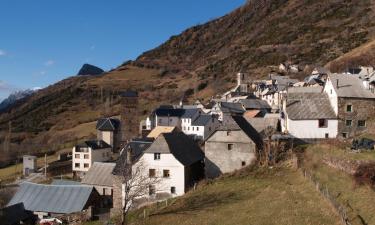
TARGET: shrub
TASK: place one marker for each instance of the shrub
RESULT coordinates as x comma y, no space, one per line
365,174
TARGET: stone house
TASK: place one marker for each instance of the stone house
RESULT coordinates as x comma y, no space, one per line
231,147
108,130
353,104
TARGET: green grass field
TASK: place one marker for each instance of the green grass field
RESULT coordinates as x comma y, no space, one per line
357,200
264,196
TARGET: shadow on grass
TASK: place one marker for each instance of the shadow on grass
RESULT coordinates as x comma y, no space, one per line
199,202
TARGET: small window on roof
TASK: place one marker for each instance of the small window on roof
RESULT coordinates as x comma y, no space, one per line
156,156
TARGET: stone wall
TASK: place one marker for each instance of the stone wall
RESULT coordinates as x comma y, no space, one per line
363,109
117,196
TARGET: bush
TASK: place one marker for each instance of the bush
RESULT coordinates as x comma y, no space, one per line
365,174
202,86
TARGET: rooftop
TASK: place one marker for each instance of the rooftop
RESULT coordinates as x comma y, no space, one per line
309,106
60,199
349,86
159,130
99,174
108,124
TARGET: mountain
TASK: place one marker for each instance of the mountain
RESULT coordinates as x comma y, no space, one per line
198,63
88,69
16,96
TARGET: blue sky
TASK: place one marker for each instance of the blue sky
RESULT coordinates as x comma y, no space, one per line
44,41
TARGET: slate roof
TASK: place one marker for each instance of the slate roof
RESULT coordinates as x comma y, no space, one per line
309,106
189,113
317,89
172,112
230,107
255,104
239,123
94,144
349,86
183,148
65,182
14,214
202,120
322,70
137,147
260,124
60,199
99,174
108,124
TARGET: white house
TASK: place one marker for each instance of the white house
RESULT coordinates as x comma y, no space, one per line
201,127
309,116
227,108
84,155
176,160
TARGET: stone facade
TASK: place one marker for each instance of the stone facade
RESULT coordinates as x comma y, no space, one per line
129,117
227,151
117,196
361,109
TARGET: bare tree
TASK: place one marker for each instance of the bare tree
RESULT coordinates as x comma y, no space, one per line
136,184
269,132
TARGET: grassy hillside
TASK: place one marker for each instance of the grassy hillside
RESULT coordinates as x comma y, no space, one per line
198,63
358,200
275,196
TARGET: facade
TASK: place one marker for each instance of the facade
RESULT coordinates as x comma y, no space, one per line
231,147
309,116
176,160
108,130
222,109
86,154
201,127
353,104
29,164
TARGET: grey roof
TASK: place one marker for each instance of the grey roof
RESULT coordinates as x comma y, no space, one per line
14,214
317,89
60,199
94,144
255,104
190,113
322,70
166,111
309,106
202,120
239,123
183,148
230,107
349,86
136,147
65,182
99,174
260,124
107,124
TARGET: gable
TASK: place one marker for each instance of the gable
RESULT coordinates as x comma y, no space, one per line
235,136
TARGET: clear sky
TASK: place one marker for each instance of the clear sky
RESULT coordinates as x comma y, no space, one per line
44,41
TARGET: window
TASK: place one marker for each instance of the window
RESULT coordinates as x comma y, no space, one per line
345,135
349,108
361,123
166,173
76,165
348,123
86,156
331,91
322,123
173,190
228,133
243,163
151,189
160,120
156,156
230,146
76,156
151,173
327,135
86,165
197,128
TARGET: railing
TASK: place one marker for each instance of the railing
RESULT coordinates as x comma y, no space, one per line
340,209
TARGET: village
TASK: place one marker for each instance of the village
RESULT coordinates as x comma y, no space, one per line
134,163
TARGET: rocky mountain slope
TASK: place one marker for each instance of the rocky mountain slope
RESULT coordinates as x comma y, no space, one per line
198,63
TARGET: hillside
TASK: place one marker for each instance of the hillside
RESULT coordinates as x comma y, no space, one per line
198,63
277,196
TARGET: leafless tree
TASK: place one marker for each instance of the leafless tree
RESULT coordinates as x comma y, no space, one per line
269,132
136,183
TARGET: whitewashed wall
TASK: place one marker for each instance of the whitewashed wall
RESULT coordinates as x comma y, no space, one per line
332,95
309,129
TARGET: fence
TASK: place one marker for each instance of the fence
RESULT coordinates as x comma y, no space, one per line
327,195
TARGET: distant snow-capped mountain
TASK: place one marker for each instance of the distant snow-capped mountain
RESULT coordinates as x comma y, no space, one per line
16,96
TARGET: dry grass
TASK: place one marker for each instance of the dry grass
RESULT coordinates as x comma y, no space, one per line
358,200
11,173
277,196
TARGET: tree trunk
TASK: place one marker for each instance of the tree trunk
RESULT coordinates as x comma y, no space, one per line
123,218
